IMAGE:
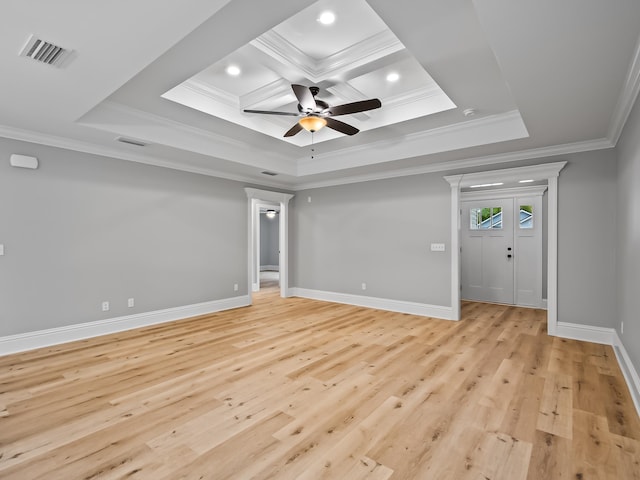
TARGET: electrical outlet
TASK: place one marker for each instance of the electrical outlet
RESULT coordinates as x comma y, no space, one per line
308,199
131,303
364,286
1,249
235,287
105,306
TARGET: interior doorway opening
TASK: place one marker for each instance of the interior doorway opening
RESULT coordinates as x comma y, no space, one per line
258,199
269,246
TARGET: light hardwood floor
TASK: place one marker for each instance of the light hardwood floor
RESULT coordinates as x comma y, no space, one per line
300,389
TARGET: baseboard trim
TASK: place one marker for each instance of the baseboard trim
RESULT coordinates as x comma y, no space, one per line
606,336
628,370
414,308
586,333
269,268
54,336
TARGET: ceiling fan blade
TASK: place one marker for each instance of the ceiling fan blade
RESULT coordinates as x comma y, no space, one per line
304,96
355,107
270,112
293,130
341,126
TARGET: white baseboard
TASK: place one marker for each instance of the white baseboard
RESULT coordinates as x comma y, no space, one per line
423,309
586,333
54,336
269,268
628,370
606,336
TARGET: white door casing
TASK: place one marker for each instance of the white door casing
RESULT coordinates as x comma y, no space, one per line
255,197
548,172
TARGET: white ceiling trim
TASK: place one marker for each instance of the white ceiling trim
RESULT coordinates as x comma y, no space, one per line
339,64
483,131
93,149
208,90
152,128
627,98
529,154
270,91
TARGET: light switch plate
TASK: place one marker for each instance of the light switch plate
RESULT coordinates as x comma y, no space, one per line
437,247
1,249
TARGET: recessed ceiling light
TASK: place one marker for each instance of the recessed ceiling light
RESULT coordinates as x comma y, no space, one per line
233,70
487,185
526,181
393,77
327,18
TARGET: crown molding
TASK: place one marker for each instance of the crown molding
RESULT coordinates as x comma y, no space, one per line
627,98
164,131
368,50
529,154
481,131
93,149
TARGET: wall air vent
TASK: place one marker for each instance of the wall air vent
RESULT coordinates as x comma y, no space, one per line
271,174
131,141
44,52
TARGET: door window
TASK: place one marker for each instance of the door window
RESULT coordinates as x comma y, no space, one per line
526,217
485,218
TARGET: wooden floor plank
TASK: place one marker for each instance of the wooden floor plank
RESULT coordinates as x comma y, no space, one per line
304,389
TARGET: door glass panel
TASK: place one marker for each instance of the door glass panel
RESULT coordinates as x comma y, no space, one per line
526,217
485,218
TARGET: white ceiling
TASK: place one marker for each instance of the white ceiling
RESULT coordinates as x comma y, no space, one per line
543,77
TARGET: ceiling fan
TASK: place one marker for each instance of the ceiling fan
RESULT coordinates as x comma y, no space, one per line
316,113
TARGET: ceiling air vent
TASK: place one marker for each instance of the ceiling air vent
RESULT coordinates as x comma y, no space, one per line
271,174
44,52
130,141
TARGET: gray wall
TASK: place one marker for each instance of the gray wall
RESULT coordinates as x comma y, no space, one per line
269,240
377,233
628,245
587,239
82,229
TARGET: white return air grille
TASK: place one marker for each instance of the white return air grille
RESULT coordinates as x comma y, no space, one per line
44,52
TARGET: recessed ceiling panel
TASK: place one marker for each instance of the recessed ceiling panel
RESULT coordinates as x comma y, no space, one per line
355,58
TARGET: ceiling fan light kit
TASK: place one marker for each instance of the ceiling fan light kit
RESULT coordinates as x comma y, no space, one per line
317,114
312,124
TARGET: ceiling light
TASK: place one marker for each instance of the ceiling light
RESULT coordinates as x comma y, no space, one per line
526,181
487,185
271,214
393,77
312,124
233,70
327,18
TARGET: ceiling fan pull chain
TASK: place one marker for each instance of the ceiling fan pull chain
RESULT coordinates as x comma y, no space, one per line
312,149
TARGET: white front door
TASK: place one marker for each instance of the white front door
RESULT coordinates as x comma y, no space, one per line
501,247
487,251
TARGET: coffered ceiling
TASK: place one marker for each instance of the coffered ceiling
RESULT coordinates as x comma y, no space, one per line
476,82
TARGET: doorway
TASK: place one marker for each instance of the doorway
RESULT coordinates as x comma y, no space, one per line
501,236
256,198
542,172
269,249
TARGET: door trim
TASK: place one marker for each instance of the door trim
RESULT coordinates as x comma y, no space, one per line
255,197
542,172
